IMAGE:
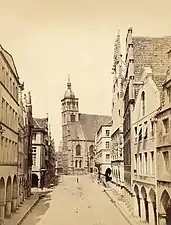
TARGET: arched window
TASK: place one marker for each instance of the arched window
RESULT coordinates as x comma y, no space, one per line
143,103
76,163
72,118
80,163
78,150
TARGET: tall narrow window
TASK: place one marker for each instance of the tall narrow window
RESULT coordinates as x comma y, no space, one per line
145,160
169,93
143,102
78,150
107,144
107,156
34,136
152,128
107,133
166,125
166,159
135,133
140,133
140,164
80,163
72,118
76,164
145,130
135,167
152,163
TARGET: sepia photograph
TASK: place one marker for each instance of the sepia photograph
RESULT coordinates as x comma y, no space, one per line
85,112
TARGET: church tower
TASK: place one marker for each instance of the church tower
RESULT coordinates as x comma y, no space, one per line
70,107
69,112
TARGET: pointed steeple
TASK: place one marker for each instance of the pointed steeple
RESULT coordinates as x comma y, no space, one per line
69,93
69,82
117,48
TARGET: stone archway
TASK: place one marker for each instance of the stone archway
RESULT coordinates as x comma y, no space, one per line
2,199
35,180
137,206
8,197
14,194
165,204
144,207
108,174
152,207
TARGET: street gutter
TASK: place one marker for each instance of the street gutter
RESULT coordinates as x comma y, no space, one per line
28,211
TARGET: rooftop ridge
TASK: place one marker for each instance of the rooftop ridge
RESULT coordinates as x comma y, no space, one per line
94,114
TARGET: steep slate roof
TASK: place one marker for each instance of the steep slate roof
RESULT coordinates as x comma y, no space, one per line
76,131
9,59
40,122
152,52
87,126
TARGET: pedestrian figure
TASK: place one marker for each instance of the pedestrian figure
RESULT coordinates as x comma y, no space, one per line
77,180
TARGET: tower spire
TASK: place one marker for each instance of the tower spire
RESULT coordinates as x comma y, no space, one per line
69,82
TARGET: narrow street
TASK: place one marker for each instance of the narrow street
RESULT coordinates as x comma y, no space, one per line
75,203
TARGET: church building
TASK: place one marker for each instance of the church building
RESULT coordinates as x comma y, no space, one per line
78,135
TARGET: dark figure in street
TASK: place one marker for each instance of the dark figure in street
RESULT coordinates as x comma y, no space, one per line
77,180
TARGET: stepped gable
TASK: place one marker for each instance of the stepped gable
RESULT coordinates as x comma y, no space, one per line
152,52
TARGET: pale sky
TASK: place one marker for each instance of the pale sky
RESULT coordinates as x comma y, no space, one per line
50,38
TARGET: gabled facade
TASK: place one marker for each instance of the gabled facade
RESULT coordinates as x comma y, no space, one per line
40,152
163,154
140,52
117,163
103,149
9,106
143,147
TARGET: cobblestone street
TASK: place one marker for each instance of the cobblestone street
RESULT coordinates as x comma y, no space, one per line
76,203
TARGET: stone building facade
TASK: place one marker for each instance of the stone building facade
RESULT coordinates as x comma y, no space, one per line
117,163
141,52
25,125
103,149
40,152
13,184
78,135
143,147
163,153
28,133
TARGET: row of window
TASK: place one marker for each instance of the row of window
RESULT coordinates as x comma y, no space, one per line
9,115
141,132
100,155
9,82
78,150
9,150
72,118
144,163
